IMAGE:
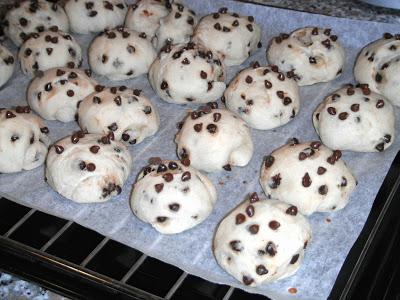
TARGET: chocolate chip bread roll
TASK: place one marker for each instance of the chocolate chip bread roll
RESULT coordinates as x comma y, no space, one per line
49,49
7,63
23,140
172,197
263,96
54,94
187,73
378,66
356,119
213,139
310,55
95,15
233,37
261,241
127,113
33,16
309,175
121,54
88,168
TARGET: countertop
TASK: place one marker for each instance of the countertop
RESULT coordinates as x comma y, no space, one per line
14,288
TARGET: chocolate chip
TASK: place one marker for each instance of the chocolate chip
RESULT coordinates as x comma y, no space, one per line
331,110
267,84
225,29
292,210
281,77
294,259
380,103
161,219
269,160
343,182
70,93
249,27
174,206
159,187
92,13
323,189
387,138
44,130
314,31
185,61
14,138
23,22
343,116
274,225
333,38
236,245
216,117
280,94
380,147
253,197
172,165
275,181
312,60
212,128
99,88
250,210
249,79
90,167
94,149
235,23
240,218
261,270
355,107
82,165
186,176
185,161
168,177
96,100
227,167
113,127
164,85
247,280
326,43
271,248
125,137
104,58
306,180
217,26
254,229
321,170
198,127
147,110
59,149
387,35
48,87
287,101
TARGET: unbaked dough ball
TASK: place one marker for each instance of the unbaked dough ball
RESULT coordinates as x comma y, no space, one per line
144,16
172,197
213,139
310,55
261,241
187,73
176,28
55,93
309,176
86,16
33,16
23,140
88,168
49,49
263,96
7,63
355,119
125,112
235,38
378,66
121,54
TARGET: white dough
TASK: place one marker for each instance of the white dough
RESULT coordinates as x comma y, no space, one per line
7,63
187,73
378,65
214,139
86,16
88,168
264,97
128,114
172,197
312,55
121,54
55,93
49,49
235,38
309,175
261,241
33,16
355,119
23,140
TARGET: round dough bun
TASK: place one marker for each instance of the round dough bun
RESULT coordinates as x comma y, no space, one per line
263,96
121,54
36,16
172,197
187,73
355,119
214,139
261,241
310,55
7,63
309,175
378,66
55,93
95,15
235,38
49,49
125,112
23,140
88,168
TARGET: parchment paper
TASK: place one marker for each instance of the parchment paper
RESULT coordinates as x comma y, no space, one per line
191,250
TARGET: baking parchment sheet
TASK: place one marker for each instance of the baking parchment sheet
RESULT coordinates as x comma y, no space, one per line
191,250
